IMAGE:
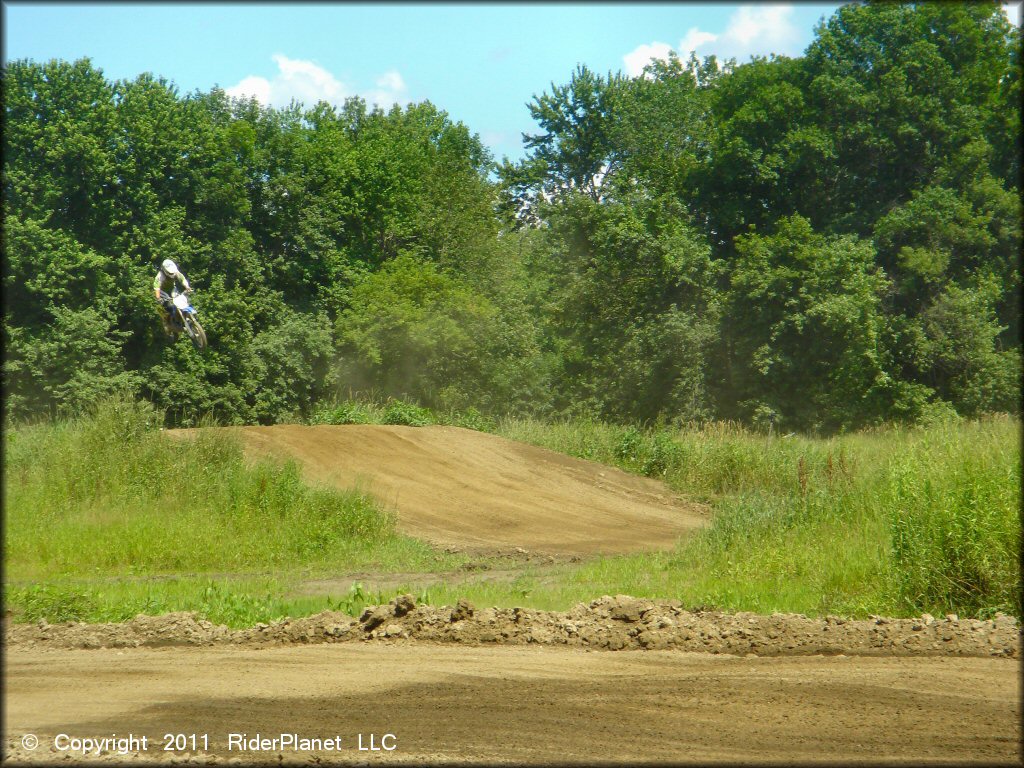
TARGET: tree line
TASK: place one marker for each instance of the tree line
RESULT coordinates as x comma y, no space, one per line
818,243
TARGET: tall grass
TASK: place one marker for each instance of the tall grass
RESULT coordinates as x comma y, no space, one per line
111,494
235,602
894,520
953,511
390,410
891,521
717,459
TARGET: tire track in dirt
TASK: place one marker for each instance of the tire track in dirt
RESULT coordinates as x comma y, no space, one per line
457,487
519,705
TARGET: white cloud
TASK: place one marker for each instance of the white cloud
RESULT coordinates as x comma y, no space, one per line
694,39
1012,11
493,138
753,30
762,29
390,90
255,87
639,58
310,83
392,81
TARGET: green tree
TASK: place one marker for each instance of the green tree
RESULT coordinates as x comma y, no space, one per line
60,143
964,361
903,88
633,299
803,324
293,361
764,157
415,331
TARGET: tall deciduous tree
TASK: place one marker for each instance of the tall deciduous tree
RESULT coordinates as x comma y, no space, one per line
804,321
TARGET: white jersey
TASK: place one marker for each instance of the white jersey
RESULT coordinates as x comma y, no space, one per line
164,283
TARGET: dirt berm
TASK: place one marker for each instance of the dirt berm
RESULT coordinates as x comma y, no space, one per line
458,487
608,623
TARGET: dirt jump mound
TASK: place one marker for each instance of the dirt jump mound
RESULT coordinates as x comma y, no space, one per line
457,487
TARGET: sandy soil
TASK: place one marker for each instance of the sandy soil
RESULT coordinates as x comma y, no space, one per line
457,487
524,704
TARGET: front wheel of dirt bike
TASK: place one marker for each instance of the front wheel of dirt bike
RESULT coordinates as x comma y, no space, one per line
195,332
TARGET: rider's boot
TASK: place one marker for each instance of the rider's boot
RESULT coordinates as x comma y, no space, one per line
168,326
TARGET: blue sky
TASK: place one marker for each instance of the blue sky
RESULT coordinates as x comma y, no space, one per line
480,63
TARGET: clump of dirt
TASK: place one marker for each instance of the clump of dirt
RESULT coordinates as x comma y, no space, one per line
608,623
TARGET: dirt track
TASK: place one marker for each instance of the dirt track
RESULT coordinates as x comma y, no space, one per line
760,689
522,704
457,487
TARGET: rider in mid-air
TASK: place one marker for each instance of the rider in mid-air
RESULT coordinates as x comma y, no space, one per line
166,277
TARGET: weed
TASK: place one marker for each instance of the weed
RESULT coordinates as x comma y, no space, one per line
471,418
893,520
889,520
51,603
150,503
348,412
406,414
652,453
223,606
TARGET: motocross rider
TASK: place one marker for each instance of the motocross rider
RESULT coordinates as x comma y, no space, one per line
166,277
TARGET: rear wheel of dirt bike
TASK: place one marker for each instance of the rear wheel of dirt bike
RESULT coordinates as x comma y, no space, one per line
195,332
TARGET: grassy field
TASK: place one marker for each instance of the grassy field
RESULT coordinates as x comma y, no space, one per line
106,517
891,521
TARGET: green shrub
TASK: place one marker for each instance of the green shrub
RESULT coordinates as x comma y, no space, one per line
891,520
652,453
407,414
52,603
471,418
348,412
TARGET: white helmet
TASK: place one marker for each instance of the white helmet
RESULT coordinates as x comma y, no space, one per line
169,268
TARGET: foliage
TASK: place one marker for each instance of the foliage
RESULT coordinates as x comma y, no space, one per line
805,319
406,414
348,412
815,243
414,330
51,603
890,521
955,535
394,411
295,361
117,494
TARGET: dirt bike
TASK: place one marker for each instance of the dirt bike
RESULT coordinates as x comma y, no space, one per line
183,317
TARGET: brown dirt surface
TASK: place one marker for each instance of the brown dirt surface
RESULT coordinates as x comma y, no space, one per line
458,487
607,623
529,704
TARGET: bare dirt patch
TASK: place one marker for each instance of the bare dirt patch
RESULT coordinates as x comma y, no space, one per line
457,487
520,705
